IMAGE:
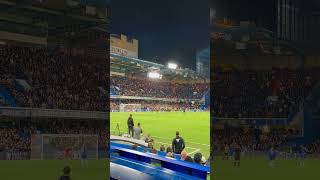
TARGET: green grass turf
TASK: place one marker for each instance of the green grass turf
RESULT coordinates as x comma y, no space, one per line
194,127
52,169
258,169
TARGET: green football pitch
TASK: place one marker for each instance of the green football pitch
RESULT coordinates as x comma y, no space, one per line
258,169
194,127
52,169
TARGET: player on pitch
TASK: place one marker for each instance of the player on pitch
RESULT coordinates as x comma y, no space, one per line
83,155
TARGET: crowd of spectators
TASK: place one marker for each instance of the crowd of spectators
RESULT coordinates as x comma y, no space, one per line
15,138
252,94
145,87
250,139
197,158
53,79
314,147
254,140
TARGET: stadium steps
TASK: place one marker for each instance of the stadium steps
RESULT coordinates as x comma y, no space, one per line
23,83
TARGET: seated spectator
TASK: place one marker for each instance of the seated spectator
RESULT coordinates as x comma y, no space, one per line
198,158
185,157
154,151
162,148
134,147
169,152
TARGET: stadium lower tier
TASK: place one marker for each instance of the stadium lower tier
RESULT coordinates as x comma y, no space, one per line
251,140
115,106
50,138
152,165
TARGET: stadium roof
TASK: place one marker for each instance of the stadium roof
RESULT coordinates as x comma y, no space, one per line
139,66
49,18
257,37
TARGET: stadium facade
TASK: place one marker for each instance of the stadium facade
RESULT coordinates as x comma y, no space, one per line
203,62
121,45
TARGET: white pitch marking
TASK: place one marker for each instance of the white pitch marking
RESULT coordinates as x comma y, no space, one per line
188,141
197,150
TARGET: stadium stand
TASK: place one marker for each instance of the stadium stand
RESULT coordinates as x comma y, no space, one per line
16,135
144,159
173,96
144,87
264,93
249,93
53,77
36,77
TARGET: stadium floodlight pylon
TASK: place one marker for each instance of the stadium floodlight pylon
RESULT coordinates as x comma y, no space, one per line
130,108
52,146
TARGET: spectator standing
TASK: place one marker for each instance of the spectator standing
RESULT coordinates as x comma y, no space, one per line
137,132
130,125
178,144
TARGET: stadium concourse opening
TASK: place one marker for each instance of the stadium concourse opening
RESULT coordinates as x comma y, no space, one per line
53,91
265,83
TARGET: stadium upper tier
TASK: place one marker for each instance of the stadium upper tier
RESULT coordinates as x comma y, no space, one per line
121,64
144,87
261,94
155,105
40,78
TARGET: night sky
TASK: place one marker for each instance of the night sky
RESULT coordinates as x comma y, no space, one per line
166,29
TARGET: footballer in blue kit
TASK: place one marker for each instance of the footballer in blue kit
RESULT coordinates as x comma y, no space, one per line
301,155
83,155
271,156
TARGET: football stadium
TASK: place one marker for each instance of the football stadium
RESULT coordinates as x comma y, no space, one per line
53,89
163,104
265,90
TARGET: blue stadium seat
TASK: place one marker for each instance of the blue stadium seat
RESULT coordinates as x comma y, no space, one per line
162,153
177,156
7,97
140,149
176,165
141,170
127,146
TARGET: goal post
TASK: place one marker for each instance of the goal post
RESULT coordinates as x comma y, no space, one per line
52,146
130,108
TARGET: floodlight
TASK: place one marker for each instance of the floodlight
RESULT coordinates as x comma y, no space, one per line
154,75
172,65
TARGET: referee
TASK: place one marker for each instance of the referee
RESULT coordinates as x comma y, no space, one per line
130,125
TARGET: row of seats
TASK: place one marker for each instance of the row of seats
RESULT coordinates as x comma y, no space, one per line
141,149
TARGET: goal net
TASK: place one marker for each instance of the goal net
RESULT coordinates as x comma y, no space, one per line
53,146
130,108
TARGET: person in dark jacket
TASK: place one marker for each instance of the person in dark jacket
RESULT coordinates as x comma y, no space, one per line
130,125
178,144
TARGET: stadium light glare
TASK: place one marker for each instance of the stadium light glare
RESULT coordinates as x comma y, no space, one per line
154,75
172,65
